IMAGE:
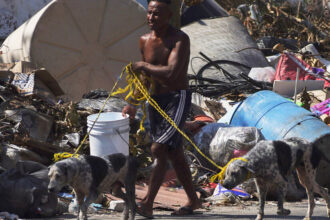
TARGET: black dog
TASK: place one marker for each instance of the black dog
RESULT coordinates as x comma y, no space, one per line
274,161
90,175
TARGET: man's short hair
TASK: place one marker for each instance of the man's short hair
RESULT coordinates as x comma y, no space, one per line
164,1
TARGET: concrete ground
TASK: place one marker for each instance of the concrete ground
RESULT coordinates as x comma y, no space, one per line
298,210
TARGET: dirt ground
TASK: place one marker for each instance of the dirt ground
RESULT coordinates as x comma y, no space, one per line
298,210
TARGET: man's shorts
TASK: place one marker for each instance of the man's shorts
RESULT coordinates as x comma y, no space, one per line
176,105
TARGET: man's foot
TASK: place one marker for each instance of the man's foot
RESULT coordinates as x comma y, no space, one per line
141,210
188,209
184,210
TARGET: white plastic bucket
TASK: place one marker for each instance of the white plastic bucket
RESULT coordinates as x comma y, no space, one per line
109,135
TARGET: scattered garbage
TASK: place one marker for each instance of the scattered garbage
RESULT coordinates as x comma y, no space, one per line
265,74
236,191
244,70
24,191
73,207
219,141
117,205
223,196
24,83
321,108
8,216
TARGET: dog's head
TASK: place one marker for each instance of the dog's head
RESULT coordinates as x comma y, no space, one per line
236,173
58,176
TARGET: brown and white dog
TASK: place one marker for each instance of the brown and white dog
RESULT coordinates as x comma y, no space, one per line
274,161
90,175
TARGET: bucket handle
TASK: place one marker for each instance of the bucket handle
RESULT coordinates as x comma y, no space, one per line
117,130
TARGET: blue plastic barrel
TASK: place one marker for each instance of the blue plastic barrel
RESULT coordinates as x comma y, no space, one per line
278,118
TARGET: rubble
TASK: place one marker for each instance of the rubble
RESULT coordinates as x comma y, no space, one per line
25,190
117,205
35,124
232,58
280,20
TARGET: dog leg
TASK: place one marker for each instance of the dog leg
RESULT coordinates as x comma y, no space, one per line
262,191
117,191
282,189
130,186
80,200
305,181
92,196
311,174
324,193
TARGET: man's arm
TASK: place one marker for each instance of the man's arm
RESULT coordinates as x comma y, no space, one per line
130,109
143,79
175,64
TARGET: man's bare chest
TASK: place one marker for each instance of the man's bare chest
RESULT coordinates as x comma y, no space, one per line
157,52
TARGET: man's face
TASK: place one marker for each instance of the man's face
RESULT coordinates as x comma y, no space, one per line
158,15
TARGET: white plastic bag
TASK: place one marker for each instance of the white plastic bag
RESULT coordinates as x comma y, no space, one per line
264,74
219,141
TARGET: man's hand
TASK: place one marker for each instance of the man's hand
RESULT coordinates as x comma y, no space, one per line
137,66
130,110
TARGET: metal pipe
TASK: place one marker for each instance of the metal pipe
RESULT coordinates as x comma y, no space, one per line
295,85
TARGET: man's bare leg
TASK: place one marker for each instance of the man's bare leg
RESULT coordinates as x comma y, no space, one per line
184,175
160,154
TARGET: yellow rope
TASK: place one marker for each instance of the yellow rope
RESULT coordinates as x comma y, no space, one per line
154,104
134,83
220,176
63,155
139,99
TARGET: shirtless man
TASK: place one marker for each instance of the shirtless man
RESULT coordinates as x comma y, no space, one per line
165,58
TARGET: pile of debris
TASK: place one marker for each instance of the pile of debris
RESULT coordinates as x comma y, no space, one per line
35,123
294,24
33,128
300,22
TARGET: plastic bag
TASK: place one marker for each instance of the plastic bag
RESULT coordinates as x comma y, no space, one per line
237,191
264,74
218,141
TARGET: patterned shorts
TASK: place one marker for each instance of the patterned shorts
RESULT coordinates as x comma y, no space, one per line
176,105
